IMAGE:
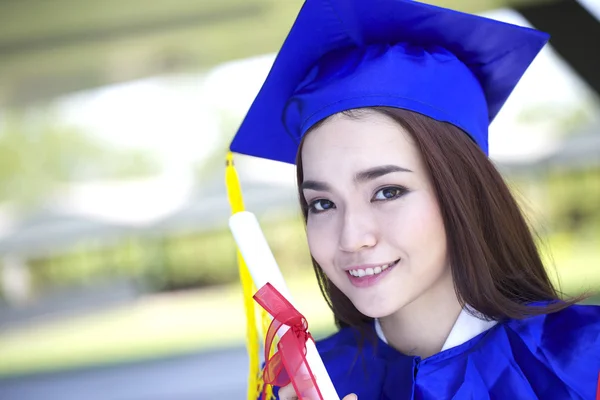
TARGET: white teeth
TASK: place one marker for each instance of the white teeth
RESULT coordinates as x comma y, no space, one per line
369,271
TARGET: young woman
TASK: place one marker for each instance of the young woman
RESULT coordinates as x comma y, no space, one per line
422,253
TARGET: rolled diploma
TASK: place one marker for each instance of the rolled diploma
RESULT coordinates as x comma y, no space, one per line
263,268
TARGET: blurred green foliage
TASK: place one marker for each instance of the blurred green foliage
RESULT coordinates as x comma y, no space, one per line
574,201
568,202
37,153
167,263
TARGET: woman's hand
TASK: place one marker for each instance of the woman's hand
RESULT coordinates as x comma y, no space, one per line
287,393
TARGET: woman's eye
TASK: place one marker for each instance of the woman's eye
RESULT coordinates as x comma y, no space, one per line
318,206
389,193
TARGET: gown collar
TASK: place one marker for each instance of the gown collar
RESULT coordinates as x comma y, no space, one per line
468,325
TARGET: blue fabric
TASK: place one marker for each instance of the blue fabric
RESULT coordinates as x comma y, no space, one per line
343,54
554,356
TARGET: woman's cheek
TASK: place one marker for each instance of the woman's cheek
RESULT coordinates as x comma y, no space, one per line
414,221
317,241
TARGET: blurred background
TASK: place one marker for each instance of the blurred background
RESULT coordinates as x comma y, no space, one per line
118,277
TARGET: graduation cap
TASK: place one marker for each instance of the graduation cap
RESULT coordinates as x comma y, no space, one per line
343,54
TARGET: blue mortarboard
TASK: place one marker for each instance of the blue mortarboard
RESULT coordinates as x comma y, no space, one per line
344,54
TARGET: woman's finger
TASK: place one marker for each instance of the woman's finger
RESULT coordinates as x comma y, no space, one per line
287,393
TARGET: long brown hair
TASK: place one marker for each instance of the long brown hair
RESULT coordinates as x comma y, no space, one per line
496,266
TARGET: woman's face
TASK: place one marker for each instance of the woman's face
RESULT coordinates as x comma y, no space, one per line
374,225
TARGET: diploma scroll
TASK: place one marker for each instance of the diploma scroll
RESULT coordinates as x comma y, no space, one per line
264,269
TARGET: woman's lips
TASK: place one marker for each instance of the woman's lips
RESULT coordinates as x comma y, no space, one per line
369,276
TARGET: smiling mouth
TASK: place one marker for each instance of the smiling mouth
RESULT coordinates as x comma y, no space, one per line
359,272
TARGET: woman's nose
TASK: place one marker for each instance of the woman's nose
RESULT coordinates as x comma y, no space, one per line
358,231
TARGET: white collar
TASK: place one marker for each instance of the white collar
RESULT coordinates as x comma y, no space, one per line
466,327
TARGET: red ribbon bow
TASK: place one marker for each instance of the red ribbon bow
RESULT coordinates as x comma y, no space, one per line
286,364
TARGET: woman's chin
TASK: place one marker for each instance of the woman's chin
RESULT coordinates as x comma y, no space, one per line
374,310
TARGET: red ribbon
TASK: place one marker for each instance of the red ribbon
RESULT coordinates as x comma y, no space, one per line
286,364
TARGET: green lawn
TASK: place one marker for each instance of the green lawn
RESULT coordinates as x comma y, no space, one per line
153,326
168,324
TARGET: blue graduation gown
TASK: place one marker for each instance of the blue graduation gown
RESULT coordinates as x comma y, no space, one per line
553,356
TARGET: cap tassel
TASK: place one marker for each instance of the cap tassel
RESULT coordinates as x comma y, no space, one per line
255,379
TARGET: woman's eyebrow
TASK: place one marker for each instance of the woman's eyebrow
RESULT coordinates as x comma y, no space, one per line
376,172
366,175
315,185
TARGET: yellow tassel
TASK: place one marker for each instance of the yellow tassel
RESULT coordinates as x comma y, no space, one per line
255,383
